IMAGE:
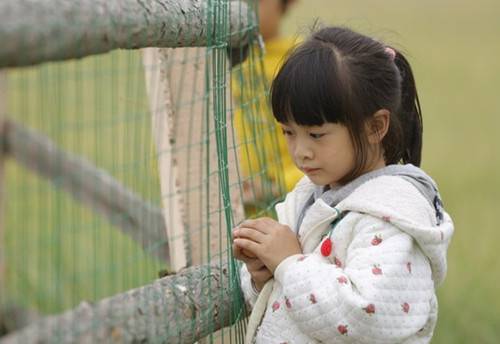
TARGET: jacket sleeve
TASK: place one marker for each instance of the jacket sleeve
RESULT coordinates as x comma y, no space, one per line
381,293
286,211
249,292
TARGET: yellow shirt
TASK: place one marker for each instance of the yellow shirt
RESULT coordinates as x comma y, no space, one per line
259,135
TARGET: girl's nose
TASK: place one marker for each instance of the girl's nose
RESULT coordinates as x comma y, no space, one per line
303,152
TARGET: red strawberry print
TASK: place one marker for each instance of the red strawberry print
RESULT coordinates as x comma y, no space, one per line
370,309
377,239
312,298
301,258
386,218
276,306
376,270
342,329
342,280
337,262
326,247
288,304
408,266
406,307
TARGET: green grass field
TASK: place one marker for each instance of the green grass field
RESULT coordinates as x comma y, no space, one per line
454,48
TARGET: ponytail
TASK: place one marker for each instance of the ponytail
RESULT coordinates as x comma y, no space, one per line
410,114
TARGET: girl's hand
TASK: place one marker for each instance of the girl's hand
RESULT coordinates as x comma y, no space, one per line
259,272
269,240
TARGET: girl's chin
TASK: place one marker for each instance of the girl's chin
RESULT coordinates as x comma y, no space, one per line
317,181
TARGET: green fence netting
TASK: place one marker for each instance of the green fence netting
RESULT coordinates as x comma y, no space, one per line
102,157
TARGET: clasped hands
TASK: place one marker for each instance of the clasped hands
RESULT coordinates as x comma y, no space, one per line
262,244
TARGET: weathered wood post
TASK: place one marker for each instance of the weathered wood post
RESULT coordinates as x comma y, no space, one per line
179,76
186,146
161,121
183,132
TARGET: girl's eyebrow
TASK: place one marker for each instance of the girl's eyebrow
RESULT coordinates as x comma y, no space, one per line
315,127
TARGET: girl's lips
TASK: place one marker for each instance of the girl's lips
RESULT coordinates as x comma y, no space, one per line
310,170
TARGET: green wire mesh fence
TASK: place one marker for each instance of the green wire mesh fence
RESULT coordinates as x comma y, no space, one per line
122,174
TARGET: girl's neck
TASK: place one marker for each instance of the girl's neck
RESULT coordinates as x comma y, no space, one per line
377,165
377,161
373,166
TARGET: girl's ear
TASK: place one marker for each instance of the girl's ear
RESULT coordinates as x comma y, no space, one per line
378,125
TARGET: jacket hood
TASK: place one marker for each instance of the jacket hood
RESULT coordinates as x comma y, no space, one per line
401,194
411,204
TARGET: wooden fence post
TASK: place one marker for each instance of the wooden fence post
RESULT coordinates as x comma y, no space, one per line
161,120
188,161
188,101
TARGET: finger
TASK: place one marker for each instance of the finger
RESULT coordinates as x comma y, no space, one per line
257,221
235,231
261,224
238,254
247,244
245,256
250,223
255,265
250,233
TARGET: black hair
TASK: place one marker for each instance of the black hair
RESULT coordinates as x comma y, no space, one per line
341,76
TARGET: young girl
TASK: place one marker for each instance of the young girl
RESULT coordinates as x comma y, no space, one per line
360,243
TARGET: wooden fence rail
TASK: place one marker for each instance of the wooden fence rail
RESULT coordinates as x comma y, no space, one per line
182,308
94,187
34,31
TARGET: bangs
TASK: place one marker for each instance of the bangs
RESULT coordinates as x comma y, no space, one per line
308,88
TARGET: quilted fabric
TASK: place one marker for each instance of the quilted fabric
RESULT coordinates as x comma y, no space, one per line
378,283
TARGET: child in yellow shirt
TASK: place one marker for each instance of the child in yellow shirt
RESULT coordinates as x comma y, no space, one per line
263,152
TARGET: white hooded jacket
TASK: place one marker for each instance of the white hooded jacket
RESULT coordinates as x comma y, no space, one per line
376,285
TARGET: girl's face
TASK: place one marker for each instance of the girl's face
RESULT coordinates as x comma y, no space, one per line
324,153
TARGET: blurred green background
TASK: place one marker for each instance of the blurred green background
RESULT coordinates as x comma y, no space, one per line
454,49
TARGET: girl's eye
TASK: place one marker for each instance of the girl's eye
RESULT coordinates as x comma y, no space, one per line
316,136
286,132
